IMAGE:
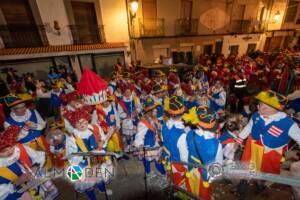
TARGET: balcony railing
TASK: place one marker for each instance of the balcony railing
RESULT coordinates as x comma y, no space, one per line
152,27
240,26
83,34
23,36
186,26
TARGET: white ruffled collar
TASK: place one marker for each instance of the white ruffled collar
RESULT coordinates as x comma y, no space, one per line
107,109
206,134
23,118
84,134
114,83
215,90
57,93
275,117
176,123
127,100
4,162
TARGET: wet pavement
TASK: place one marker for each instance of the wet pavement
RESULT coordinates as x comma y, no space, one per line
128,184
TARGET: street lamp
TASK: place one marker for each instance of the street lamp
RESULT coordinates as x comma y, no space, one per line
134,5
276,17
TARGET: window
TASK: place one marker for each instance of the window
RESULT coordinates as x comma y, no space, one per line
159,53
20,29
186,9
291,11
149,9
251,47
219,46
104,63
208,49
287,41
85,29
183,55
234,49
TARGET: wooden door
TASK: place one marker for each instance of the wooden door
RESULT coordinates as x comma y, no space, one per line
21,25
275,43
186,9
86,22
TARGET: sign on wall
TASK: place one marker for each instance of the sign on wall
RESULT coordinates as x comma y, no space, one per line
214,18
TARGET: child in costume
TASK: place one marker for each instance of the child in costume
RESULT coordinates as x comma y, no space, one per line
71,102
115,143
89,136
148,136
129,110
173,80
16,166
233,126
56,139
157,94
174,135
30,122
190,98
158,78
217,99
268,133
85,138
55,100
203,149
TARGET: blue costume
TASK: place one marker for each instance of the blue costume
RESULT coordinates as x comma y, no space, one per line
214,106
55,100
208,151
147,136
171,135
32,134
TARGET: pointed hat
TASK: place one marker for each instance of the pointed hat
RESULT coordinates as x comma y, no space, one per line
92,88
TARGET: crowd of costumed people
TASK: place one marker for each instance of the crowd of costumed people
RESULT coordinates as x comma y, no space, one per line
222,110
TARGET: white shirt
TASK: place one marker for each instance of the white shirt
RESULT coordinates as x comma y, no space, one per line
23,133
37,157
294,131
71,146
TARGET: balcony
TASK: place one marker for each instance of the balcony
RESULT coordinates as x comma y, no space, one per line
83,34
186,26
240,26
23,36
152,27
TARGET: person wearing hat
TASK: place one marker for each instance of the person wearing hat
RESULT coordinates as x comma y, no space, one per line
158,96
55,100
239,88
203,149
174,140
268,133
189,96
56,138
173,80
85,138
148,136
129,109
30,122
233,126
158,77
71,101
112,86
16,168
217,98
112,119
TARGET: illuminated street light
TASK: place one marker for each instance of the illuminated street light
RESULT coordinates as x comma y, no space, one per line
134,5
276,17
